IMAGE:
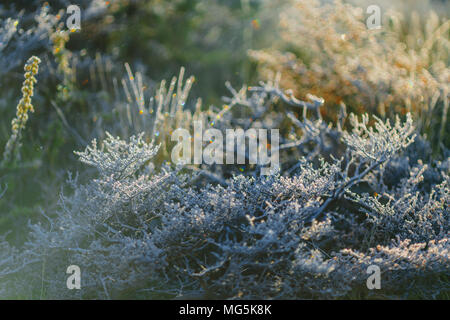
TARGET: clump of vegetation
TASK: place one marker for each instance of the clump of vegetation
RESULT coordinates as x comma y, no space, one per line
140,230
359,184
403,66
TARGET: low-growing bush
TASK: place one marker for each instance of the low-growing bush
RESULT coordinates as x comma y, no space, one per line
353,191
140,230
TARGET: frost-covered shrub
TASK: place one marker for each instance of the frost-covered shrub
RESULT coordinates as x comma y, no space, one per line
356,192
406,212
409,270
140,230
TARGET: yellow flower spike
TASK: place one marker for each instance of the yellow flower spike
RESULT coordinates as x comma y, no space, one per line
23,107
